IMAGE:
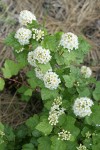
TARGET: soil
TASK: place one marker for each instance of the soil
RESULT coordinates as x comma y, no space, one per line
78,16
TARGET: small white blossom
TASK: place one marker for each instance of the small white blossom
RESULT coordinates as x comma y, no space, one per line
20,50
97,125
81,147
86,71
42,55
39,73
69,41
82,106
31,59
55,111
51,80
26,17
38,34
57,101
23,35
88,134
64,135
53,118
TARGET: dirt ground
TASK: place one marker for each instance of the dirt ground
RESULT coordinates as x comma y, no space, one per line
78,16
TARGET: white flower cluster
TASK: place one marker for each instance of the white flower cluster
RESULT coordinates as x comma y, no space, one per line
82,106
51,80
23,35
39,73
81,147
55,111
42,55
69,41
64,135
26,17
86,71
38,34
20,50
31,59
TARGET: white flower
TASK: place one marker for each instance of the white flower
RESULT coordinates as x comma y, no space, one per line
23,35
31,59
20,50
57,101
81,147
53,118
55,111
69,41
88,134
39,73
38,34
82,106
42,55
51,80
86,71
26,17
64,135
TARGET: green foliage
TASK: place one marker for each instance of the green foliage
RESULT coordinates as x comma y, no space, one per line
94,118
44,143
58,144
44,127
37,133
10,68
2,84
28,147
32,122
11,41
47,94
96,92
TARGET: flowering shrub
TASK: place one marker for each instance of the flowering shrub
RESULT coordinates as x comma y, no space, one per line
70,118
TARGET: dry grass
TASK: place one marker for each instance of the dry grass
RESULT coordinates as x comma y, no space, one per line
78,16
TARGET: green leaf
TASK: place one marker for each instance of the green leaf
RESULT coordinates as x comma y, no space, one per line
83,92
33,81
96,92
59,59
44,127
69,125
2,84
29,146
94,118
96,147
51,42
48,94
1,127
34,24
9,133
44,68
28,92
32,122
69,80
25,92
44,143
10,69
58,144
10,40
22,59
69,57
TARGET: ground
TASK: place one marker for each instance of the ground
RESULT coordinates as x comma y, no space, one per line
78,16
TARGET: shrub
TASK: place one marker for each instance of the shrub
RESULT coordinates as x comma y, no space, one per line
70,117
